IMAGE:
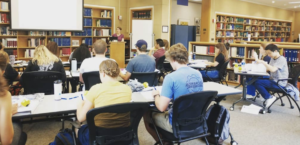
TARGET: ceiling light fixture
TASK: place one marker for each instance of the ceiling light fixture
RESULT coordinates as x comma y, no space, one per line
273,2
295,7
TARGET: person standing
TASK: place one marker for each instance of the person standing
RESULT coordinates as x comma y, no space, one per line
119,35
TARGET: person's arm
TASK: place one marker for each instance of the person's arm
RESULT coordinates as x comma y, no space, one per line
129,70
269,67
82,108
212,64
6,127
126,76
161,102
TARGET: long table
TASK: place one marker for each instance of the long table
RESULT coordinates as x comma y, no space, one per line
48,106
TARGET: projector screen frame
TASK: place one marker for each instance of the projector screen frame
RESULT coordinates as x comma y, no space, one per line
9,5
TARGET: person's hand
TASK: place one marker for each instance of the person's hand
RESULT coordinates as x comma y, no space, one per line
14,108
254,55
155,92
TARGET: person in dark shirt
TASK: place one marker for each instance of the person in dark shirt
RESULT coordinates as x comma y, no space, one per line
44,60
81,53
10,73
159,51
221,58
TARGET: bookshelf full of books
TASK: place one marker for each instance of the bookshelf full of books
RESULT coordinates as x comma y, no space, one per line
233,28
98,24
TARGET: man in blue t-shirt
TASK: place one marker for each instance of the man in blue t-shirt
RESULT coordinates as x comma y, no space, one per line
141,63
184,80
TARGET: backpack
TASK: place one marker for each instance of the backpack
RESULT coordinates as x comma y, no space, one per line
64,137
15,89
217,118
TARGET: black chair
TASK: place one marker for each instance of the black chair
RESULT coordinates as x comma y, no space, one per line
40,81
222,74
90,79
149,77
160,66
116,136
188,122
293,79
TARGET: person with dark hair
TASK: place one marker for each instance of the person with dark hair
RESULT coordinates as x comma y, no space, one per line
227,45
81,53
10,73
119,34
184,80
53,47
159,50
278,70
221,58
140,63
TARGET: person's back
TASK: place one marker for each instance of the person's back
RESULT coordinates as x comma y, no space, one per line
44,60
81,53
141,63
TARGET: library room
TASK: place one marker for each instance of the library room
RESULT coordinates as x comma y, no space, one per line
149,72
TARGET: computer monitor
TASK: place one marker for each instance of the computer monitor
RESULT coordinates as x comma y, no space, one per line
113,39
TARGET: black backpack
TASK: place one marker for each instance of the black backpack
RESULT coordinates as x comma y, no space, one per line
217,118
64,137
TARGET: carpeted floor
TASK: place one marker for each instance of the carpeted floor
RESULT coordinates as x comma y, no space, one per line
281,127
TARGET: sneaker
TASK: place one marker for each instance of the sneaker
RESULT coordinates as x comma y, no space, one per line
270,101
249,97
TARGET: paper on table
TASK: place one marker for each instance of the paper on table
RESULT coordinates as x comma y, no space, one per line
66,62
68,73
75,73
30,108
147,93
251,109
123,71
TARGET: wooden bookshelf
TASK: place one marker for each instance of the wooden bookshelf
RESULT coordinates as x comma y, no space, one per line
260,29
23,36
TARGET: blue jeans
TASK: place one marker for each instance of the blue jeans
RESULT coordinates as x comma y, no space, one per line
83,135
212,74
261,85
251,88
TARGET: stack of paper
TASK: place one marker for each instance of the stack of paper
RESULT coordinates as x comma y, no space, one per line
147,92
251,109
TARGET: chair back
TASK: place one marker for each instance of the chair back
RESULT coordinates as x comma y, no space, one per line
160,63
189,114
294,74
90,79
116,136
149,77
40,81
223,70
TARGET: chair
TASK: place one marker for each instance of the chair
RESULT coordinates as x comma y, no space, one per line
149,77
40,81
90,79
160,66
188,120
116,136
222,74
293,79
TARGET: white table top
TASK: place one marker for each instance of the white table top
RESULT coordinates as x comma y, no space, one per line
207,86
198,65
48,105
249,73
69,75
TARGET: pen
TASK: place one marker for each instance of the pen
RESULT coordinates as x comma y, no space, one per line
64,98
81,96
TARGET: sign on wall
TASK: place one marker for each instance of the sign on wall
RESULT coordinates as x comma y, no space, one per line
183,2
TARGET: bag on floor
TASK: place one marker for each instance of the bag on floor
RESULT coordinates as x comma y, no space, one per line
217,118
64,137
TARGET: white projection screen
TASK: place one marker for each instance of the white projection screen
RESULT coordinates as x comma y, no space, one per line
47,15
142,29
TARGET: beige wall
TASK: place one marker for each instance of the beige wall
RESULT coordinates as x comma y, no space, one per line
237,7
297,25
190,12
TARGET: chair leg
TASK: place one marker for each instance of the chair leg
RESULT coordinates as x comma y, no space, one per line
292,107
282,104
155,129
206,141
294,102
269,111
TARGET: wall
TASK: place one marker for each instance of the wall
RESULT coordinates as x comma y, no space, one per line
190,12
119,8
297,25
248,9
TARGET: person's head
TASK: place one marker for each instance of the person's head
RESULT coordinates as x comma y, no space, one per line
177,55
159,43
100,47
3,83
6,56
222,49
52,46
43,56
141,46
272,50
108,70
262,48
167,46
119,29
81,53
227,45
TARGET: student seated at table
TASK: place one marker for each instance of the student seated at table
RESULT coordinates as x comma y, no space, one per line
92,64
10,133
81,53
44,60
222,57
109,92
184,80
263,56
159,50
53,47
10,74
140,63
278,70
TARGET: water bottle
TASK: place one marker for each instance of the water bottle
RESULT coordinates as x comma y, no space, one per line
74,65
243,66
57,90
194,56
